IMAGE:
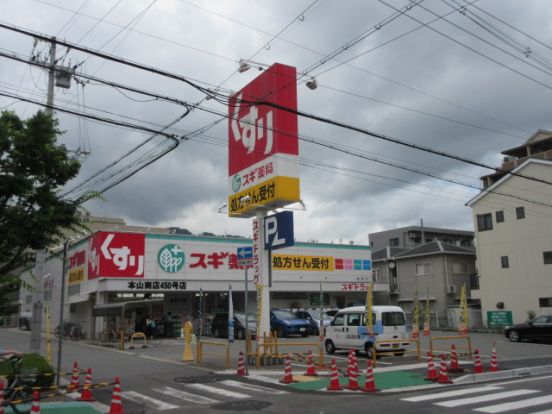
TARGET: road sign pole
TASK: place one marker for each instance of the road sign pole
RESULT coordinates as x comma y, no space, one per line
246,304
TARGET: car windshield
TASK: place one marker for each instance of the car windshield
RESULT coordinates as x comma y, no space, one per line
241,317
281,314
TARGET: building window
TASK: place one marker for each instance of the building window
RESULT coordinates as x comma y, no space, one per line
545,302
47,295
484,222
474,282
504,262
499,216
424,269
461,267
376,275
29,299
547,257
394,242
520,212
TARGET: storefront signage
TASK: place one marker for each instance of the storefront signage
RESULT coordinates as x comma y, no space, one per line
279,230
499,319
257,134
354,287
255,235
76,264
173,285
296,262
171,258
116,255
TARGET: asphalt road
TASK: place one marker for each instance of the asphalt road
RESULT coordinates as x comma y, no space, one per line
154,380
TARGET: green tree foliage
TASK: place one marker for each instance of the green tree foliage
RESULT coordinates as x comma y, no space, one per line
33,168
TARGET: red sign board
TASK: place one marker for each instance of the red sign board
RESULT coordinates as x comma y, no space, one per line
116,255
258,131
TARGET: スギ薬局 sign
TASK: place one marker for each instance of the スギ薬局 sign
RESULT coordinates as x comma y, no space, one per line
263,144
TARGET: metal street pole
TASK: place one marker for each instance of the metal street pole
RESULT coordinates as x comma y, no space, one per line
321,326
246,304
61,306
38,303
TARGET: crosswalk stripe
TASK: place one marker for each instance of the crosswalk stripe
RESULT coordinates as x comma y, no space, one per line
531,402
149,401
241,385
543,412
218,391
450,394
183,395
483,398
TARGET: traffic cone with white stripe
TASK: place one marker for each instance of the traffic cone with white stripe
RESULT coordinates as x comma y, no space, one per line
353,374
241,372
75,378
36,403
288,376
334,378
494,362
86,394
311,370
116,401
443,377
370,383
453,366
1,397
431,371
349,362
478,368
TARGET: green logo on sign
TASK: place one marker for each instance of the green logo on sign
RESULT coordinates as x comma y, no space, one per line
171,258
236,183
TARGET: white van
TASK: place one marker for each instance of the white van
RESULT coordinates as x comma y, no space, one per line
348,330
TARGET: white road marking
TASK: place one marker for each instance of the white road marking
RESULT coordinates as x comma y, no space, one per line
484,398
241,385
218,391
543,412
524,380
531,402
149,401
450,394
183,395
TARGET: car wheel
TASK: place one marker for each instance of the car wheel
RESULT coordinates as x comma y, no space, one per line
398,353
240,334
369,349
514,336
216,333
316,331
281,332
304,334
330,347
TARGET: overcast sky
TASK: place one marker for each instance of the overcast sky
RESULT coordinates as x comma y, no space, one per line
470,84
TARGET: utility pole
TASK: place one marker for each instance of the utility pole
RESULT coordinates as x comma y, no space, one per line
51,77
38,303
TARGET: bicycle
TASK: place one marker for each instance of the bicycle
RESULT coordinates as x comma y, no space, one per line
71,330
110,335
20,389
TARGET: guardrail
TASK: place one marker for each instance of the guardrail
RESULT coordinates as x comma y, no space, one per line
468,346
397,350
268,347
201,343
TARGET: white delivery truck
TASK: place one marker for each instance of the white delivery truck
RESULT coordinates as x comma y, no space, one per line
348,330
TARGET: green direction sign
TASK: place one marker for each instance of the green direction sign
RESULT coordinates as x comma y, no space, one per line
498,319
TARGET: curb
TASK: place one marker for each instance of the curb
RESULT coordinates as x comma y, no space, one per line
499,375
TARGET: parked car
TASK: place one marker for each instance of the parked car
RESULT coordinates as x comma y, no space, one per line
219,325
286,323
537,329
313,316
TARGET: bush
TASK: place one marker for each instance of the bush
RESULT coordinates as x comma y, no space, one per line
45,375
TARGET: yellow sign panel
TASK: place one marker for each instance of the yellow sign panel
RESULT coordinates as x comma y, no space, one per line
76,275
295,262
276,192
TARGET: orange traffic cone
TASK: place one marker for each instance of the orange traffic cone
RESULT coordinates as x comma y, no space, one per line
370,383
86,394
443,377
116,401
75,378
431,371
353,374
1,397
311,370
36,403
494,361
349,362
453,366
478,368
334,379
242,372
288,376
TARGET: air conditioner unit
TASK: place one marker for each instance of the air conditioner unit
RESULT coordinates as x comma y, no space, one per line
451,289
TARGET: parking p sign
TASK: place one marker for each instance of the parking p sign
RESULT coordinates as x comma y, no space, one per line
279,230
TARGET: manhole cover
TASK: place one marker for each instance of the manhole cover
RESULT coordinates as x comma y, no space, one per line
241,405
197,379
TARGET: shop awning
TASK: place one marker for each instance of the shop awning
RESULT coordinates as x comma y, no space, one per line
81,297
117,309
